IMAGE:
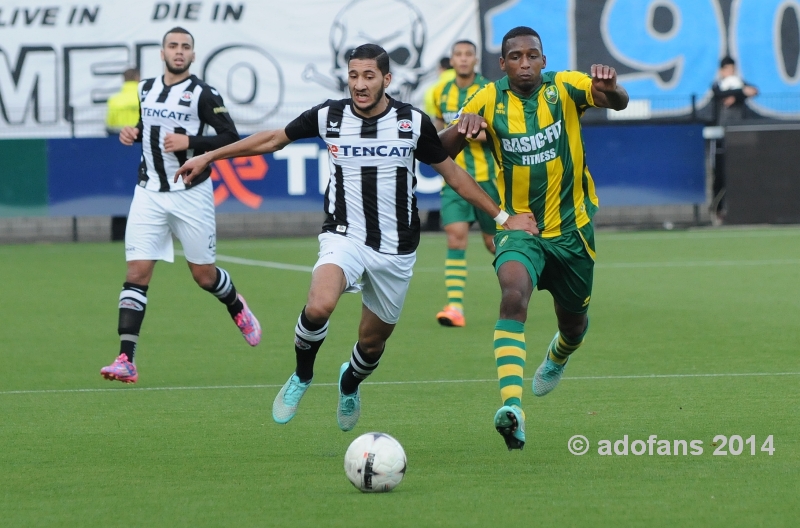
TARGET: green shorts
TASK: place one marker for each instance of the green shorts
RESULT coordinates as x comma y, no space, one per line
563,265
456,209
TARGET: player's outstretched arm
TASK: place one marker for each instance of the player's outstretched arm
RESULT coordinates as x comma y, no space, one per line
259,143
605,90
454,138
464,185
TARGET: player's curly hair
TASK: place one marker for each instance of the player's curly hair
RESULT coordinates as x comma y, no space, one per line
518,32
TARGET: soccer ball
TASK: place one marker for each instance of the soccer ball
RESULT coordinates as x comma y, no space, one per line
375,462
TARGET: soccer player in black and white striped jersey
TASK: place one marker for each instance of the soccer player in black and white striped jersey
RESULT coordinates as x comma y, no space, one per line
175,111
371,232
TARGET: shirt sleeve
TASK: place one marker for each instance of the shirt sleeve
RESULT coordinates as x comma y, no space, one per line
429,147
474,105
579,88
211,110
306,125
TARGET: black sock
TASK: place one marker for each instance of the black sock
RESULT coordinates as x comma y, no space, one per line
308,337
225,291
361,365
132,305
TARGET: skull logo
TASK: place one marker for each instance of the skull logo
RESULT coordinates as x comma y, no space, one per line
395,25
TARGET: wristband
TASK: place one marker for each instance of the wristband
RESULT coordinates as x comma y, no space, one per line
501,218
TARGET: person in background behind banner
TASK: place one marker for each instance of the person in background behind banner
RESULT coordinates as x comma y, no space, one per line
176,110
477,159
730,94
123,106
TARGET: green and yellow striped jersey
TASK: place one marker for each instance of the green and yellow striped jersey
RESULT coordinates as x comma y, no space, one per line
538,143
477,157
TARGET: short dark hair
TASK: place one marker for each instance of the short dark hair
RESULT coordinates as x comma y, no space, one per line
518,32
463,42
131,74
727,60
176,29
371,51
444,63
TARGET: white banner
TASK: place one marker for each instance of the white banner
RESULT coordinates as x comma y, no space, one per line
270,59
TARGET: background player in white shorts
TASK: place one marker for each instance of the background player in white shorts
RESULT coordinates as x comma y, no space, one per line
175,111
371,230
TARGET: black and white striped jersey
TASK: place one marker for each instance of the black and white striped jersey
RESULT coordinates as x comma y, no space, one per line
370,194
188,107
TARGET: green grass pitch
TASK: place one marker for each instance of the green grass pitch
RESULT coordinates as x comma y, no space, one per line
694,334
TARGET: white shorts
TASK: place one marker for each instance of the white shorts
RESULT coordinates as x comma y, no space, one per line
382,279
155,216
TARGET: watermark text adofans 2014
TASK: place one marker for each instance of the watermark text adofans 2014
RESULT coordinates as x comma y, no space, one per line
722,445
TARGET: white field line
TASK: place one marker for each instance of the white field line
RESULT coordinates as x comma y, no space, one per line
611,265
263,263
419,382
698,263
707,234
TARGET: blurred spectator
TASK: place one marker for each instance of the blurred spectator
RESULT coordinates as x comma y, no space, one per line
446,73
730,94
123,107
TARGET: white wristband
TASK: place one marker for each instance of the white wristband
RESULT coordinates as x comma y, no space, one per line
501,218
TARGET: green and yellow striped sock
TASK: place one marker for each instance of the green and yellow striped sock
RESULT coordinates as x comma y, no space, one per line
561,348
455,277
509,353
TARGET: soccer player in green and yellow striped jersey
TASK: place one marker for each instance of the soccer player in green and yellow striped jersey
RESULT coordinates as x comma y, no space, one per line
532,120
457,214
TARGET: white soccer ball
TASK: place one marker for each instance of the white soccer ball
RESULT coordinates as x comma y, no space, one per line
375,462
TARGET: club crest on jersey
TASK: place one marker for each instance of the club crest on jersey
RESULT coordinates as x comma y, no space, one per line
186,96
551,94
405,125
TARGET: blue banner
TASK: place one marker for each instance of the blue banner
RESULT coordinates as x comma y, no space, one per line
647,164
631,165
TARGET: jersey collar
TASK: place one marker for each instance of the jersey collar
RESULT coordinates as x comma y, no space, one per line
547,78
188,79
